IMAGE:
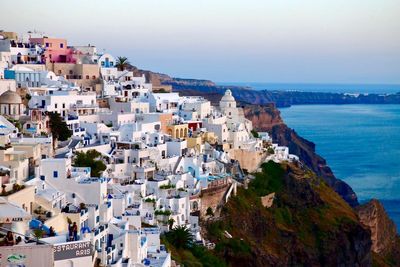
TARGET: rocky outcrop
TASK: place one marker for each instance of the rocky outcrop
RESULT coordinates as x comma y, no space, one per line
308,224
385,241
264,117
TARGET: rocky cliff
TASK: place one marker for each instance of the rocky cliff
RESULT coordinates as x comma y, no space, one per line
385,241
308,224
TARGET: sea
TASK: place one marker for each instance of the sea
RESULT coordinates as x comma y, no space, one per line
361,143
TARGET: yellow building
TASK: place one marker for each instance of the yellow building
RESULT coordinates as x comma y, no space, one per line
195,143
24,198
209,137
178,130
33,152
84,75
9,35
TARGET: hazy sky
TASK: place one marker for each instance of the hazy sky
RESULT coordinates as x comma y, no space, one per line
341,41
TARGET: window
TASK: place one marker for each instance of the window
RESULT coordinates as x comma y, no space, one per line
87,77
71,72
61,45
42,177
97,219
55,105
102,63
55,174
93,77
63,105
59,71
47,44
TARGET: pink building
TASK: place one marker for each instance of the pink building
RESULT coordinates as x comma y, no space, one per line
56,50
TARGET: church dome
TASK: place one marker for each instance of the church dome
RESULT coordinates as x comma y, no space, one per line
228,96
10,97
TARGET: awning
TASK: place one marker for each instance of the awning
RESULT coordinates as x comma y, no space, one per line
10,213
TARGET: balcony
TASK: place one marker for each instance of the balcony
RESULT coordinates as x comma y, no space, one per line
84,106
72,117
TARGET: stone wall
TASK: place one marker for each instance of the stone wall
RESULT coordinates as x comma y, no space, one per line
249,160
212,197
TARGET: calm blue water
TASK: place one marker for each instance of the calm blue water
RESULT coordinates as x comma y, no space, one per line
316,87
361,144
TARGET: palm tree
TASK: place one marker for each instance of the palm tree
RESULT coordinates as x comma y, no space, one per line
122,63
180,237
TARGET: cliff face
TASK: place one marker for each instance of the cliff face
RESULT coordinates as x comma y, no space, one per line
264,117
308,224
385,241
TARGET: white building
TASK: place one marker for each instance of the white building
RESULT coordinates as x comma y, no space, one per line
164,102
65,102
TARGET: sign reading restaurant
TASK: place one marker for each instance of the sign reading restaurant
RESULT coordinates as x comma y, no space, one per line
72,250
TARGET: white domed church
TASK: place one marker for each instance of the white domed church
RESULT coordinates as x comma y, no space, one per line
11,105
228,106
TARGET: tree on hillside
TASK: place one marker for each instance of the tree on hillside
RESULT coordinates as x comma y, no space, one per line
255,133
58,127
92,159
122,63
180,237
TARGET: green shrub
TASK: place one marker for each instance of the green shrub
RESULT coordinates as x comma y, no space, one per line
163,212
255,134
283,215
237,246
269,180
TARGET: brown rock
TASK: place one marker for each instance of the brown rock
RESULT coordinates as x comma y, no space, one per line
383,230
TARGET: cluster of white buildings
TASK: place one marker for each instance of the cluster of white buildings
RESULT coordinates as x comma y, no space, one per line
162,154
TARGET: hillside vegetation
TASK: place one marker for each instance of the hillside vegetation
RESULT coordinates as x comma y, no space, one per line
307,225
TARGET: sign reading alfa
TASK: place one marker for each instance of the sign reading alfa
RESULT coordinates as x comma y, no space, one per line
11,219
72,250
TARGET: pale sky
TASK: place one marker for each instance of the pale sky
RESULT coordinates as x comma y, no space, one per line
335,41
